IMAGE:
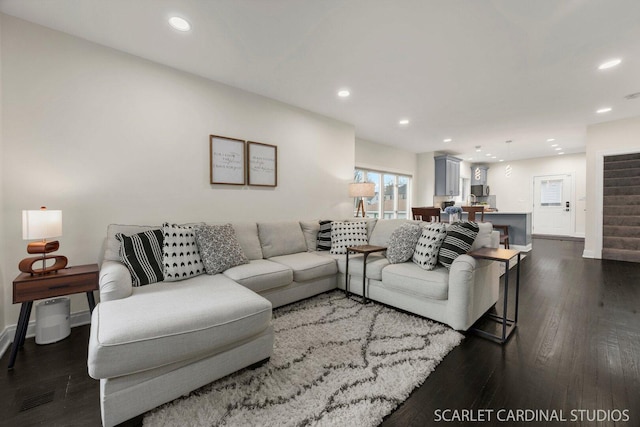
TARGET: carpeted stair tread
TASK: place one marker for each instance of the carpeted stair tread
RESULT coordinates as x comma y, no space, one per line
621,173
632,210
622,182
621,164
622,200
626,243
621,157
620,231
621,255
624,220
622,191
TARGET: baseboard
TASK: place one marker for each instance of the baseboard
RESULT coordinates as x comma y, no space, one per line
554,237
521,248
6,337
589,254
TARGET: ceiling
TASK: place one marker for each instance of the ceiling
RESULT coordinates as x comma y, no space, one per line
477,71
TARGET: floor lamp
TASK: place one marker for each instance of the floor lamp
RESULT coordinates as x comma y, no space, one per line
362,190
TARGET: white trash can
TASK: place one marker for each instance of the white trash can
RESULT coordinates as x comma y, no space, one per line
53,320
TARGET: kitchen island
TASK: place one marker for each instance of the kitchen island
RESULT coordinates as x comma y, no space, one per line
519,226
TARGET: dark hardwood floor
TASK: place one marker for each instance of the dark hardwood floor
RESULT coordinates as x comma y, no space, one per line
577,347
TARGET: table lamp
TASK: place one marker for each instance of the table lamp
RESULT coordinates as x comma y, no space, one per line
362,190
42,224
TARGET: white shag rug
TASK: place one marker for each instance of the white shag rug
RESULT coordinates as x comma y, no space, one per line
335,362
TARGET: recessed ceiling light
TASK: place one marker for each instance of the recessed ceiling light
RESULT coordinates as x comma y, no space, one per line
551,139
603,110
560,153
179,24
478,149
558,148
404,122
610,64
488,154
554,145
344,93
501,160
447,140
493,157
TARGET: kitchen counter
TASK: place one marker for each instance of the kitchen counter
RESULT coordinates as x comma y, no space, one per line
519,226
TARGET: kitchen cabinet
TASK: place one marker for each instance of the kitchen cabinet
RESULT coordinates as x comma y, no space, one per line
447,175
479,175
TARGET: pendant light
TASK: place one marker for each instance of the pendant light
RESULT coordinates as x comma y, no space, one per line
508,169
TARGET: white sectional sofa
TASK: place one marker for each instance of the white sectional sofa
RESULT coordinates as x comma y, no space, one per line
154,343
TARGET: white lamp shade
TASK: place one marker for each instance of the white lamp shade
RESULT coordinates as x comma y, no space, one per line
362,189
41,224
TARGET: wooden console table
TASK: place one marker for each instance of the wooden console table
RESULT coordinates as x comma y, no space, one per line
28,288
508,325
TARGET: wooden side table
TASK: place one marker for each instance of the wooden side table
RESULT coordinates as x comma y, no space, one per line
28,288
508,325
365,250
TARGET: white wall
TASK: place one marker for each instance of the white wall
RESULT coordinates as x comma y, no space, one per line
2,239
515,193
610,138
426,186
372,155
111,138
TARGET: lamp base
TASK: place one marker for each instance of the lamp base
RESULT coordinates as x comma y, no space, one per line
43,247
360,208
26,265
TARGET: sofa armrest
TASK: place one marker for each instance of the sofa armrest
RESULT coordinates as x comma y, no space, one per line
115,281
473,288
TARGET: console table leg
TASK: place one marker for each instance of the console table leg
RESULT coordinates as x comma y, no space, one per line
91,300
21,330
506,302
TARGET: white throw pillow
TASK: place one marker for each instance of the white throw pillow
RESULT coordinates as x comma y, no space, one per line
180,253
345,234
428,247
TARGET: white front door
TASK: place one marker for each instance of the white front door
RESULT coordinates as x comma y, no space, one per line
553,205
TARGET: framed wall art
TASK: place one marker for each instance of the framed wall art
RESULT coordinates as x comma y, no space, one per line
226,160
262,164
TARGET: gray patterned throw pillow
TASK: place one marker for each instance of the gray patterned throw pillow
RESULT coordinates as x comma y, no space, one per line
219,248
402,242
426,254
180,253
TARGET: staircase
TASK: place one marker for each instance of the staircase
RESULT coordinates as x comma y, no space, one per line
621,208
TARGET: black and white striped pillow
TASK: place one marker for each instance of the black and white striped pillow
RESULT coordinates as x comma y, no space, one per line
142,254
460,237
324,236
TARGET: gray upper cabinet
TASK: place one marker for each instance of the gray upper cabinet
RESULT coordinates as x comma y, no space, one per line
479,175
447,175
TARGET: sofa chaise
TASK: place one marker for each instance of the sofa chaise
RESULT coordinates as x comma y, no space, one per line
151,344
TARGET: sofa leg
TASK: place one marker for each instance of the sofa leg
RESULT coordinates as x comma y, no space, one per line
258,364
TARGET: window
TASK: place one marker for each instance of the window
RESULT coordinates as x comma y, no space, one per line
392,194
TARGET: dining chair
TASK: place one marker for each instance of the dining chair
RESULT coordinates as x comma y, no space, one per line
428,214
504,234
472,211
